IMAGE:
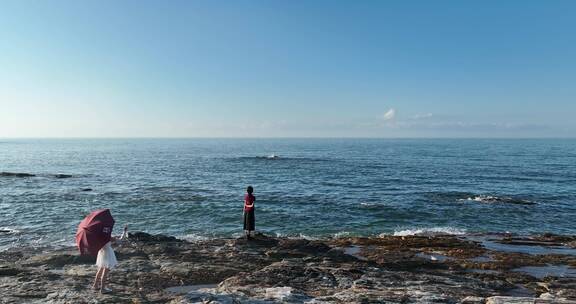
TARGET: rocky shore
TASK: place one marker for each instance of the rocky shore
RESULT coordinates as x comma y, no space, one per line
387,269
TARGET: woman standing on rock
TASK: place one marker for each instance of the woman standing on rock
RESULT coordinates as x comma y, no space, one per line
106,260
249,218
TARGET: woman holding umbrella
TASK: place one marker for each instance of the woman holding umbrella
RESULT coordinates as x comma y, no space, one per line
106,260
94,237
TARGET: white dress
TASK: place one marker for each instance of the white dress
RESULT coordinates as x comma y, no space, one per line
106,257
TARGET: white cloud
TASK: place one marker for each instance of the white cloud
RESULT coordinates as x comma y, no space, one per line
389,115
422,116
469,126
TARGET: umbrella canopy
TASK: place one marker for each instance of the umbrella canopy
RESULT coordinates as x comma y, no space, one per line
94,232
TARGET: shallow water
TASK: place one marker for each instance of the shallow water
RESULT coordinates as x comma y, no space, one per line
354,251
534,250
193,188
482,259
540,272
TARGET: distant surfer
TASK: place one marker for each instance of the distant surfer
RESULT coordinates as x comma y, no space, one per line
249,218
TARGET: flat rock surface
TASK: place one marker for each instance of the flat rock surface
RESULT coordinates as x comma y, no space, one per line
385,269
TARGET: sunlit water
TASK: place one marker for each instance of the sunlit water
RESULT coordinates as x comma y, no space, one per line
194,188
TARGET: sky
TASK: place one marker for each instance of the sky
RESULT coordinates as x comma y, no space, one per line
143,68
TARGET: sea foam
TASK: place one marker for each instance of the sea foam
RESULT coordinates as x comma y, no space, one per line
191,237
430,231
9,230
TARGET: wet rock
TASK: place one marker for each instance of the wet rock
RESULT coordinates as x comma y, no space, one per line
297,248
542,240
15,174
266,269
285,295
525,300
11,255
258,240
64,296
57,260
550,237
473,300
80,270
509,300
6,270
62,175
215,297
150,238
562,287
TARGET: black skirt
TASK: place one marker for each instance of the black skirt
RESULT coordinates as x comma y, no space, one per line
249,220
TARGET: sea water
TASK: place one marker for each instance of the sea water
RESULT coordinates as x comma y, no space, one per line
315,188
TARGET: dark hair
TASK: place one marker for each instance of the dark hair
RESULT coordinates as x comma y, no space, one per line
250,189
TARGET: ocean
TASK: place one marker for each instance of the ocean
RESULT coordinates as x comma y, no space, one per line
312,188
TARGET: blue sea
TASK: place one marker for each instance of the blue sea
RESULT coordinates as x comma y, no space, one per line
313,188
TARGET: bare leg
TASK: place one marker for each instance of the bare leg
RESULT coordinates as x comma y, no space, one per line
98,274
103,279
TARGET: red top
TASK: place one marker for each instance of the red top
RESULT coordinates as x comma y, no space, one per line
249,202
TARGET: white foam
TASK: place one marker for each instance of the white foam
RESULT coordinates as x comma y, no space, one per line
430,231
9,230
191,237
481,198
341,234
296,237
369,204
496,199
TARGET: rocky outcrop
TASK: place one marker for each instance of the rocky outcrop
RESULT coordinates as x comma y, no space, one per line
15,174
387,269
18,174
62,175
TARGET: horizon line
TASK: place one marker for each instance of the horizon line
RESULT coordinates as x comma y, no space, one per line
284,137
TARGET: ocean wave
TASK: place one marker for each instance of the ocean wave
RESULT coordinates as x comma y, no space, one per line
296,236
264,157
276,157
481,198
272,156
9,230
369,204
432,231
192,237
342,234
497,199
366,205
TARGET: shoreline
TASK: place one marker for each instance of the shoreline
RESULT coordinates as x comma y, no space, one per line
395,269
199,238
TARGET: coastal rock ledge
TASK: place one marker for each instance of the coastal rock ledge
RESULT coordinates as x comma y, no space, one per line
385,269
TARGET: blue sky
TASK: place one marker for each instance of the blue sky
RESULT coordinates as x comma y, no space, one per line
287,68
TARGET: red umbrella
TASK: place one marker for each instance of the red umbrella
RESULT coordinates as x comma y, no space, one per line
94,232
